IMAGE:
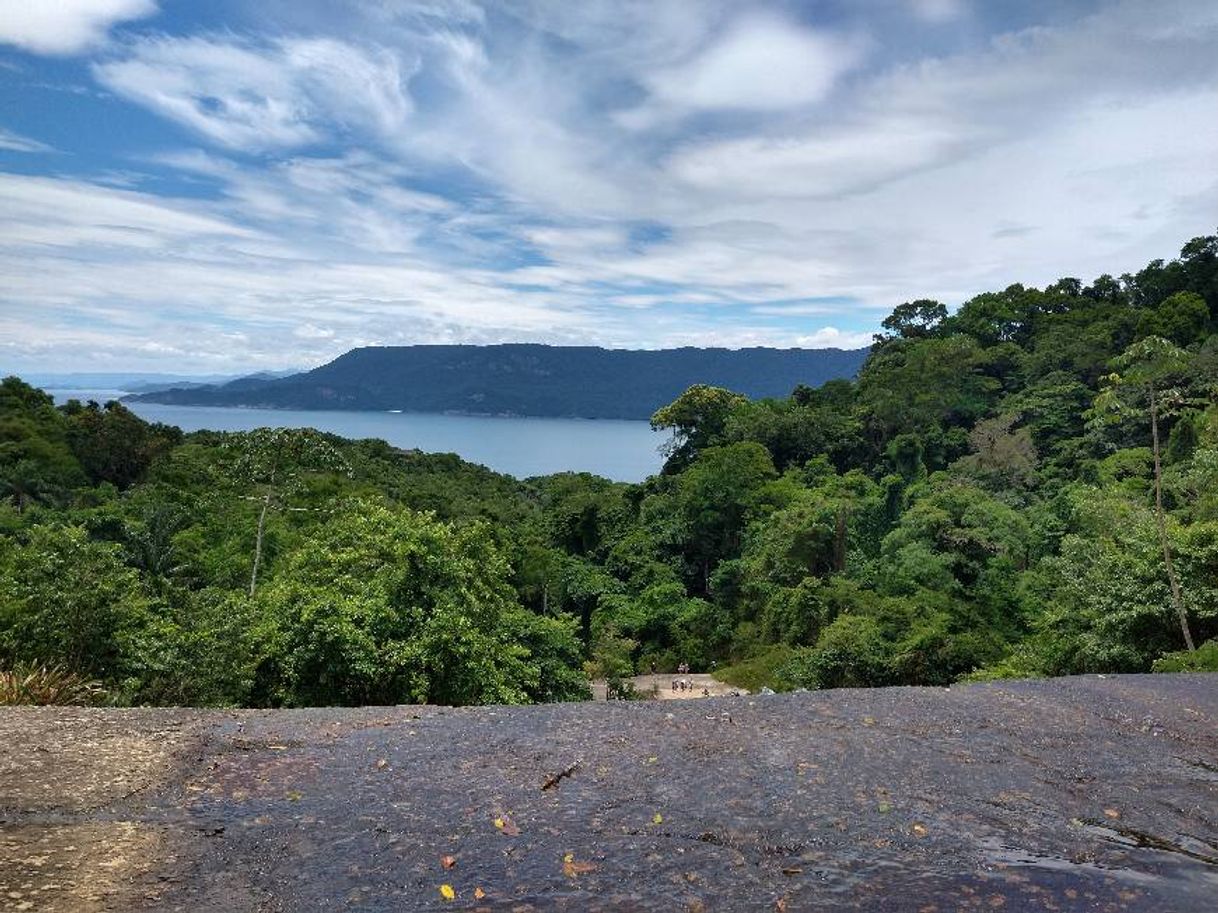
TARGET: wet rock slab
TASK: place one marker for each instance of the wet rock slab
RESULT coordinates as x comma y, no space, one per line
1076,794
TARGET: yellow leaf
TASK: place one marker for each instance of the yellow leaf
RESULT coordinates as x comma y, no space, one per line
570,857
447,892
507,826
479,893
657,819
919,830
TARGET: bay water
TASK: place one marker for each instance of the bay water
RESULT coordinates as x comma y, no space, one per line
624,451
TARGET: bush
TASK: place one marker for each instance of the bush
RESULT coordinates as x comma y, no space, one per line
852,653
762,670
47,685
1203,659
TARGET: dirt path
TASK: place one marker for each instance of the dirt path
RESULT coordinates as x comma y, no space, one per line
1083,794
660,685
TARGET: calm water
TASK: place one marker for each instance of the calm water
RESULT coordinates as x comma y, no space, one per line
623,451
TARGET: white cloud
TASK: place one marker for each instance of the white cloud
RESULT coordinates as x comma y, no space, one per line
938,10
15,142
65,26
934,112
1022,157
288,93
833,338
760,64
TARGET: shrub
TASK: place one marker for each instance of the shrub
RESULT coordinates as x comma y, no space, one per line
761,670
1203,659
27,683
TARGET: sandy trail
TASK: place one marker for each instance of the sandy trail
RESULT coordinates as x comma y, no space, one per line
660,685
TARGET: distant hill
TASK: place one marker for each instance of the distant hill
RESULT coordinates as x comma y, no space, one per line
525,379
134,381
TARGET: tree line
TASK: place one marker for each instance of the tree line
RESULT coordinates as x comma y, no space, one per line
1026,486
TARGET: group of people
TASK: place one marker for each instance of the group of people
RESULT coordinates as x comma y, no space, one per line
684,684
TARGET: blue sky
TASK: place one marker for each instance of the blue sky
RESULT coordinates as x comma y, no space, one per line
222,186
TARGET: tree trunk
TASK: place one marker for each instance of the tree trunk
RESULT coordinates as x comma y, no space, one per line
839,541
1161,521
266,506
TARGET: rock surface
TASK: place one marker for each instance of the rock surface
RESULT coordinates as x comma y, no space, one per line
1076,794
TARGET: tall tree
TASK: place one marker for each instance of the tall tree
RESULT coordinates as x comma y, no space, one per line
273,460
1149,367
695,418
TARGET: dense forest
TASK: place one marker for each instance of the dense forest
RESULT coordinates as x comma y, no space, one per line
524,379
1027,486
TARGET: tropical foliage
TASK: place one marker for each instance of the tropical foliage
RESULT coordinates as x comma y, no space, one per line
1026,486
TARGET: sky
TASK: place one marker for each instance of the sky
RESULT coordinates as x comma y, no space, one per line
224,186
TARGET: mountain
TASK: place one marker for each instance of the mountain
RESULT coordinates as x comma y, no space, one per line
135,381
525,379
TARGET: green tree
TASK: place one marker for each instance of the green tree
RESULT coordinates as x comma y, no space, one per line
695,418
1149,367
916,319
713,498
67,599
115,445
389,606
24,483
1180,318
272,461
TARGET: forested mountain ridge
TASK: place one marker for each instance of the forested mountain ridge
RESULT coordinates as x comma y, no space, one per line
1027,486
526,379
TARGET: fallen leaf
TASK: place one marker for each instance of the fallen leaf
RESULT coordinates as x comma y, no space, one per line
479,893
657,818
447,892
792,871
382,764
919,829
448,861
571,868
293,796
1111,813
868,721
780,905
508,827
652,759
884,807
